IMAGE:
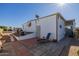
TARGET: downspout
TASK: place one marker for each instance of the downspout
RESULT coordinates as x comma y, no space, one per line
57,17
36,21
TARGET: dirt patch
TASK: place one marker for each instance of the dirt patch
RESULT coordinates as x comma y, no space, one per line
6,38
73,51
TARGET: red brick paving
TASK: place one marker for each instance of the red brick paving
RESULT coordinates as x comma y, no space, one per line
19,46
29,42
16,44
23,52
20,49
24,48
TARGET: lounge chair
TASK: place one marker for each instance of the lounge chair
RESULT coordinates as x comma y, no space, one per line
45,39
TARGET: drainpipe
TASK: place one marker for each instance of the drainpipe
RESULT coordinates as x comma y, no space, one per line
37,21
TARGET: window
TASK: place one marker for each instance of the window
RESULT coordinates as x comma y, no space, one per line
23,26
29,24
60,26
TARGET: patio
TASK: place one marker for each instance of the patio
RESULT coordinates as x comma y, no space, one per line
31,47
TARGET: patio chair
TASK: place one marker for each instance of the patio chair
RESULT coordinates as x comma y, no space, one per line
45,39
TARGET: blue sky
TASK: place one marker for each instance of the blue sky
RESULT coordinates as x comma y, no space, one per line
17,14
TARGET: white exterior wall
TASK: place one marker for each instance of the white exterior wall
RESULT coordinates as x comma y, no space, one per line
61,31
48,24
27,36
32,28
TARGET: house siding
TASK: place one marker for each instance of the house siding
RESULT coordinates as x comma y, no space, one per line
48,25
61,29
31,28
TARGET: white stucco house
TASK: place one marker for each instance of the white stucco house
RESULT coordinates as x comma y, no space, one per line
54,24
